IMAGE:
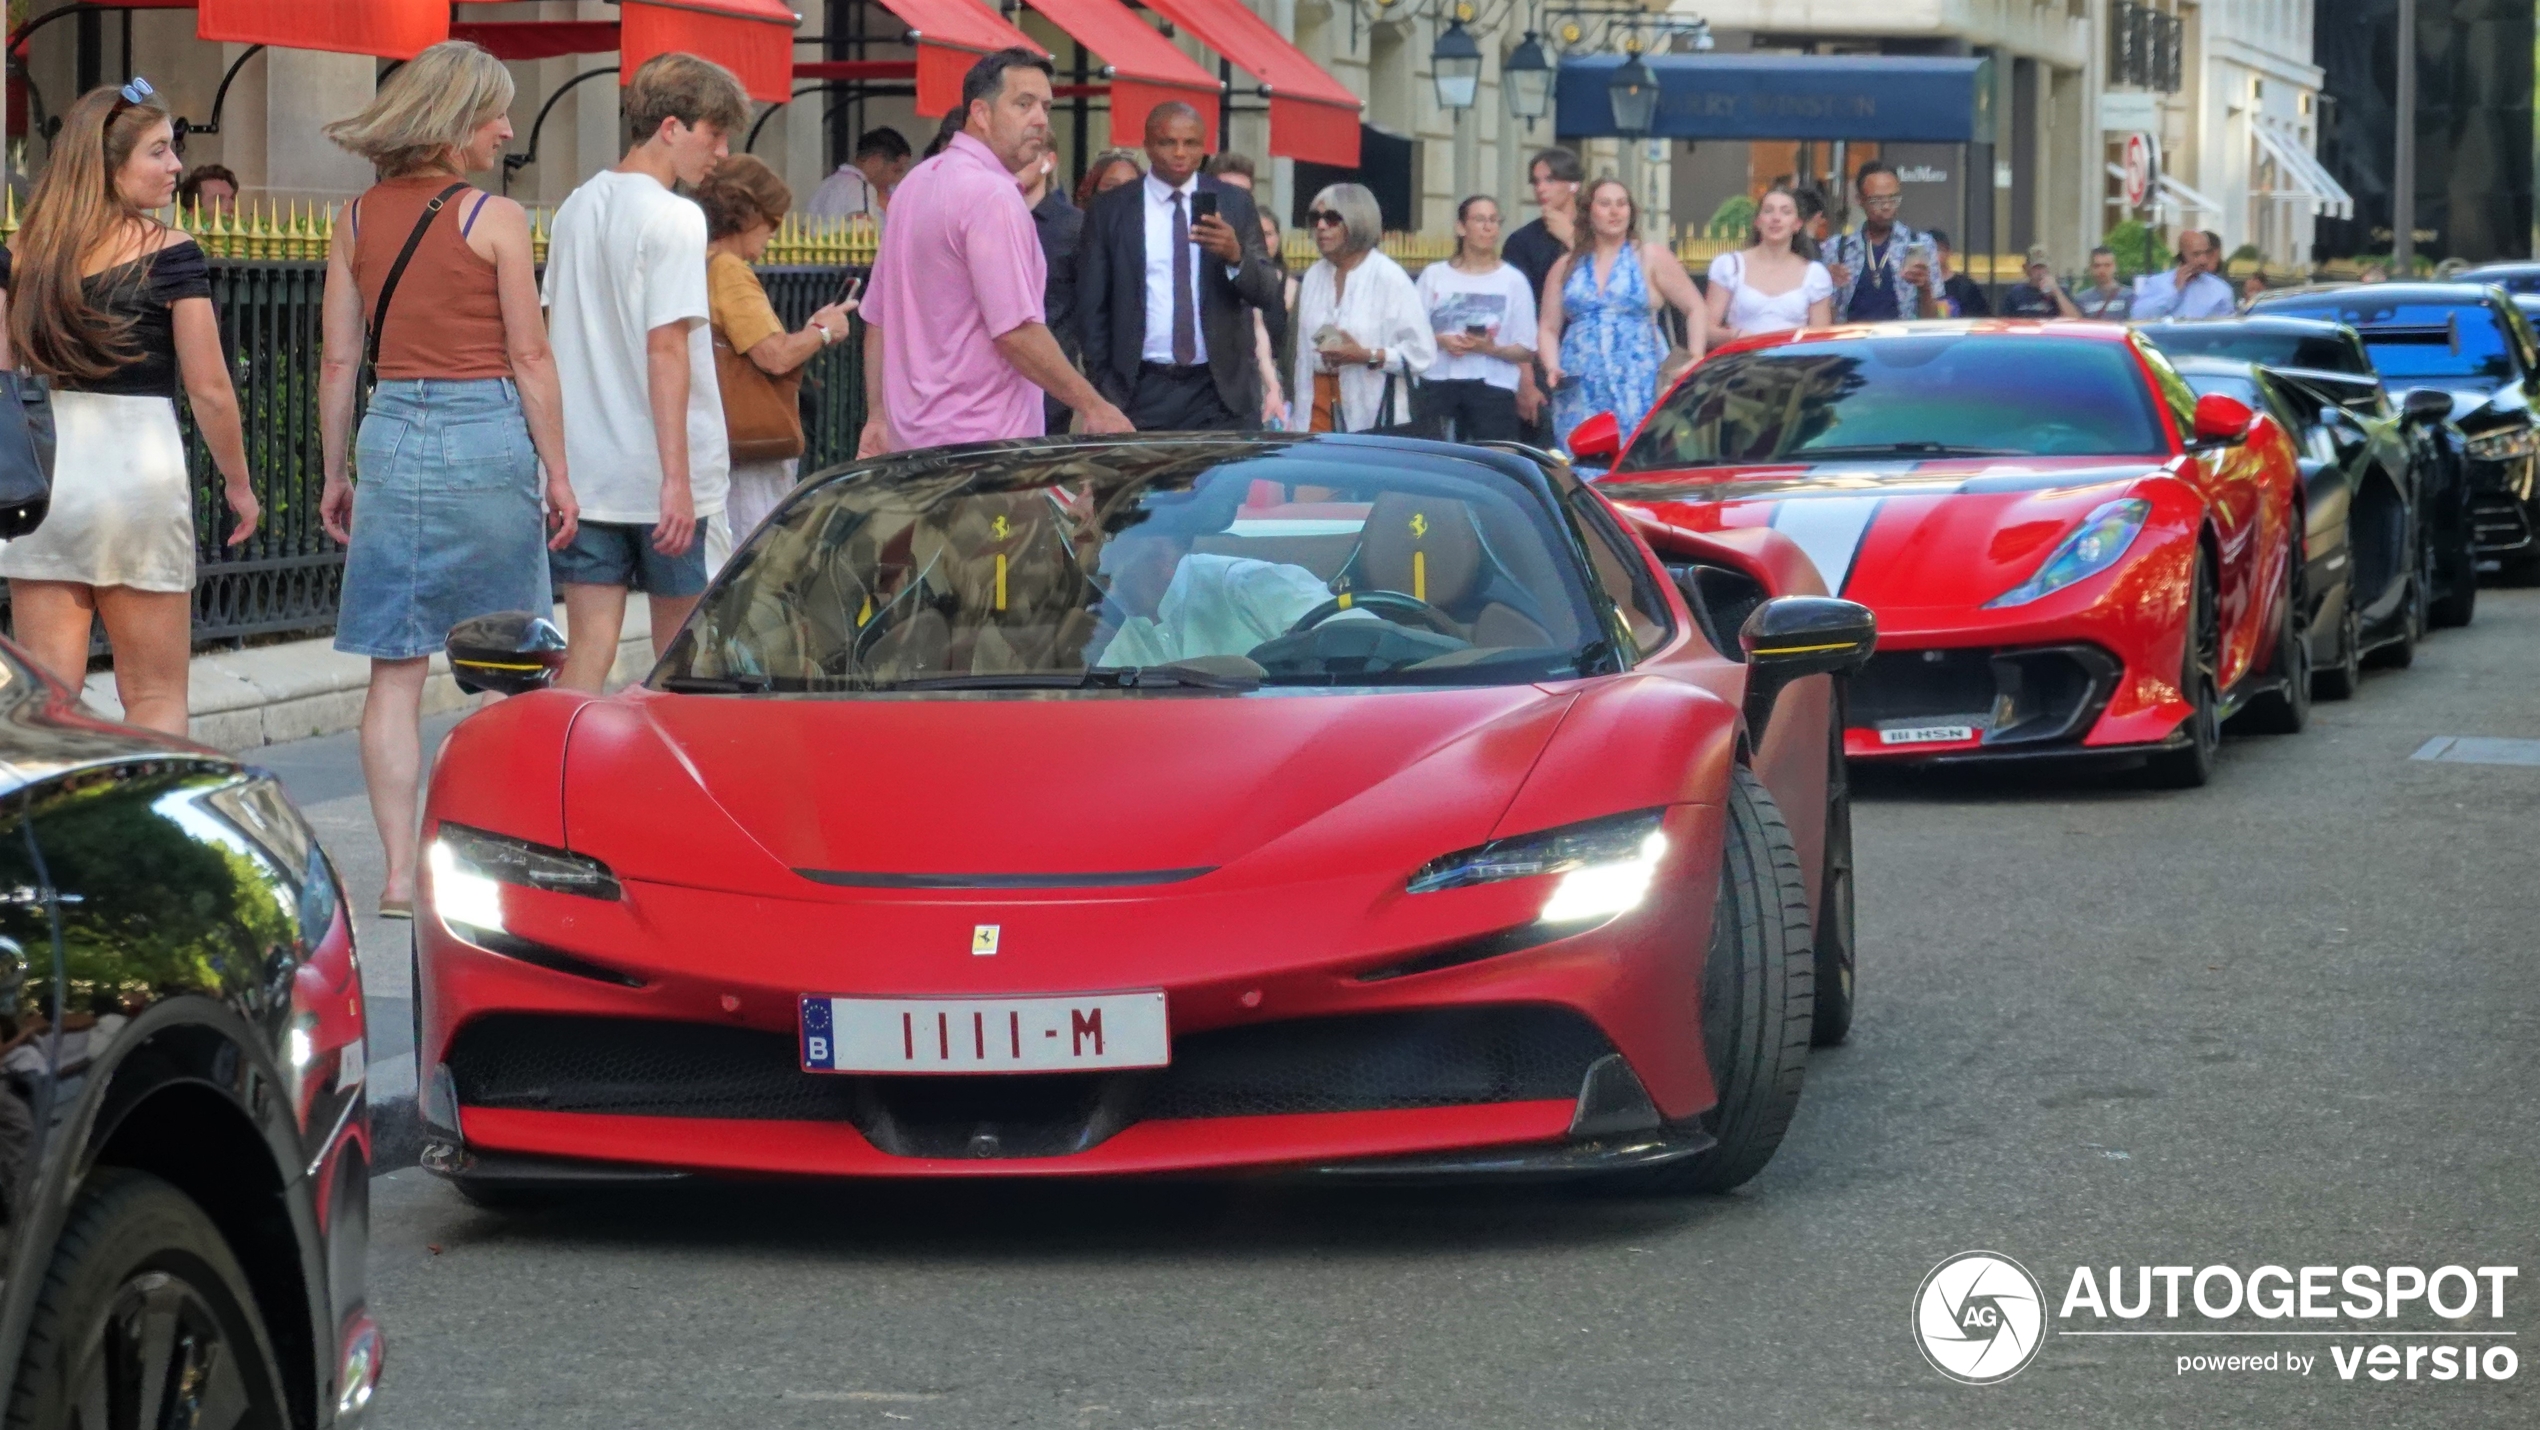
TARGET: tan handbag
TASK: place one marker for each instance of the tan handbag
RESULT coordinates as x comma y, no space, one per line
760,415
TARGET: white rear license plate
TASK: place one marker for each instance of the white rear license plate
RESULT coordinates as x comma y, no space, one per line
984,1035
1926,734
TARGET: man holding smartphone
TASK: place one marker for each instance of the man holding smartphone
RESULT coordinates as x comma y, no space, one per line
1882,270
1169,272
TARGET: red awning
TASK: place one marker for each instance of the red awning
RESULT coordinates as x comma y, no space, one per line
752,38
1313,116
538,39
950,36
395,29
1146,68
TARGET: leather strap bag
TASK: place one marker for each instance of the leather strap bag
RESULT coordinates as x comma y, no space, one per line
26,453
397,270
761,415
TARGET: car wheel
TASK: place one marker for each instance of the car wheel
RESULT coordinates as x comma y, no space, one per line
2402,653
2285,711
1834,945
2342,680
1758,1003
145,1319
2459,602
2192,764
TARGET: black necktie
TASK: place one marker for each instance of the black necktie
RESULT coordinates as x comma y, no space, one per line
1185,318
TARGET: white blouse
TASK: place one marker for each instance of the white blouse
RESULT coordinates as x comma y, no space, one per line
1751,312
1379,308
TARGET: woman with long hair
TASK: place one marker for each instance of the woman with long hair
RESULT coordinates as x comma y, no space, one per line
440,501
1483,312
1364,338
115,308
1772,285
1110,169
1600,341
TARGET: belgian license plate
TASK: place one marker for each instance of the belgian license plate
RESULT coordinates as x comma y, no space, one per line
1926,734
984,1035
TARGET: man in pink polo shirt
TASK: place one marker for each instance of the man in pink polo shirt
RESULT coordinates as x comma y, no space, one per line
957,346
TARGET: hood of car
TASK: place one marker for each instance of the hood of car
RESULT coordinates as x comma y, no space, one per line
1034,791
1927,534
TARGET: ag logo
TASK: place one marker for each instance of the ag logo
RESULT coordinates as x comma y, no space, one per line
1979,1317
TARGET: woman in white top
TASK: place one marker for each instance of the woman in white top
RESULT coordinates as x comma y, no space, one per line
1362,331
1770,286
1483,313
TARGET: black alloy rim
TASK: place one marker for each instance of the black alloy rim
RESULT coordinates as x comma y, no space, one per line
2204,667
2297,639
160,1359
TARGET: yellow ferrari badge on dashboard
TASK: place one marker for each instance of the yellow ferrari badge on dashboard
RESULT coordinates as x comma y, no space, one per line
1419,523
983,940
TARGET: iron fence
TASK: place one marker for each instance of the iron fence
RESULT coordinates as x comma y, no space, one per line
287,578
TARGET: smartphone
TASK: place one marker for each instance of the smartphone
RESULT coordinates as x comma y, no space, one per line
848,290
1203,205
1477,330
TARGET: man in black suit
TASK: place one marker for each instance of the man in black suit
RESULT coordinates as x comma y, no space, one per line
1165,290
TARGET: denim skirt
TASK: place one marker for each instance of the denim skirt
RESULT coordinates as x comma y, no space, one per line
447,520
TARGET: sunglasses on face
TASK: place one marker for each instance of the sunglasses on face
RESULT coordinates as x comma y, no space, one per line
1320,217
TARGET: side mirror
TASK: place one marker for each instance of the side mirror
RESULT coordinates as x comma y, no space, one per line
2222,421
1789,637
1597,441
2429,405
509,653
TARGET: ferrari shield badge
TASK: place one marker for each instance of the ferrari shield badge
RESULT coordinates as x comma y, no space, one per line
983,940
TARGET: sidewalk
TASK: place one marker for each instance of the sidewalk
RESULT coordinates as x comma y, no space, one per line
269,694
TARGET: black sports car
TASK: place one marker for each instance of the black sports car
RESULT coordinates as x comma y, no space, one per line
184,1128
2363,555
2471,341
2355,426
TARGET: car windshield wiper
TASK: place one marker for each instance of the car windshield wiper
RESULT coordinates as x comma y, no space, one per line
716,684
1188,674
1903,449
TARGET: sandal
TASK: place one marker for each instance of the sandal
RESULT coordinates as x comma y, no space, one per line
396,908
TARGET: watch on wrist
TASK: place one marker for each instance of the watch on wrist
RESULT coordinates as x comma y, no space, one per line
1376,360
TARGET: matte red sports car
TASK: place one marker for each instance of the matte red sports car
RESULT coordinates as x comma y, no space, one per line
2069,552
1156,805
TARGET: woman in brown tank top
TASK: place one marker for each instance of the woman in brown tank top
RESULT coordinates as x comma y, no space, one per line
444,518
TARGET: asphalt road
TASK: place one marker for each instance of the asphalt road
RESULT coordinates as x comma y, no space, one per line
2287,1019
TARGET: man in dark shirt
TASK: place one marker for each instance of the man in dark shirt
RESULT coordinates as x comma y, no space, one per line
1555,175
1058,222
2041,296
1881,270
1960,295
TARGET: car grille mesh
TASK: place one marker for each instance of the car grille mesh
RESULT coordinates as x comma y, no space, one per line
1367,1062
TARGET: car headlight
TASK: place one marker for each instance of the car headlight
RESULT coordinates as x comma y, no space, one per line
470,867
2504,445
1606,865
2094,546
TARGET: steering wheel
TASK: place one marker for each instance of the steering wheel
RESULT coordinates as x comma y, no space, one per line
1394,606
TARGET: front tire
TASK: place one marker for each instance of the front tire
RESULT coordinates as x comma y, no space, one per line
2286,711
1758,1000
145,1319
2192,764
1834,941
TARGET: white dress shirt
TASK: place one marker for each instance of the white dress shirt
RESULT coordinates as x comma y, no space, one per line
2207,295
845,192
1159,336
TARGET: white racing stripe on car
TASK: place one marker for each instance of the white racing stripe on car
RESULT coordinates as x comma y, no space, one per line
1830,531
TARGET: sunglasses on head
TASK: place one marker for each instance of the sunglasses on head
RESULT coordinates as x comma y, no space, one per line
1321,217
135,91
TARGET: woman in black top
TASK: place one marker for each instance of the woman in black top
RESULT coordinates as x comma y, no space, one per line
116,309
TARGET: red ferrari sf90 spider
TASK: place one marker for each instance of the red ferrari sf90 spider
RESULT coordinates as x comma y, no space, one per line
1157,805
2068,551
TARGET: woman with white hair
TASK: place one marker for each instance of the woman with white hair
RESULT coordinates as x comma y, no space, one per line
1366,337
445,521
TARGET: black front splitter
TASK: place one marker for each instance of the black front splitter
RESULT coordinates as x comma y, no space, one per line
1538,1161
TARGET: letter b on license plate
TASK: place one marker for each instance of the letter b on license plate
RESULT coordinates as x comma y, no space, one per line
984,1035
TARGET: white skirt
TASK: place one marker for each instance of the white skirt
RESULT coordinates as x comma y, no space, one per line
123,507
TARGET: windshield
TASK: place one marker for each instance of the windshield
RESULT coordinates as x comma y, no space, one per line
2431,339
1150,566
1924,394
2326,352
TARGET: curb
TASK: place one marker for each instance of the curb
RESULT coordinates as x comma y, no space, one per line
239,700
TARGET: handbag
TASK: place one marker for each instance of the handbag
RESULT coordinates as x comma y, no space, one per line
762,415
26,453
1431,427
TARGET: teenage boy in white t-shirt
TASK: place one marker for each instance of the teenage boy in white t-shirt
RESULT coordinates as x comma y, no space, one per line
643,419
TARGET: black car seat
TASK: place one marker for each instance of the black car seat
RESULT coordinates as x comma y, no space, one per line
1431,549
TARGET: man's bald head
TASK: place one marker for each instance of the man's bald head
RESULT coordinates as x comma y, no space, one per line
1176,142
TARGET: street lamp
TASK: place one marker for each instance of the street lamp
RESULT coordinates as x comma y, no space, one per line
1455,63
1634,94
1527,77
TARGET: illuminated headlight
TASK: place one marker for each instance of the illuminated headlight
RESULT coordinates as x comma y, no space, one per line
1606,865
470,868
2094,546
2506,445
